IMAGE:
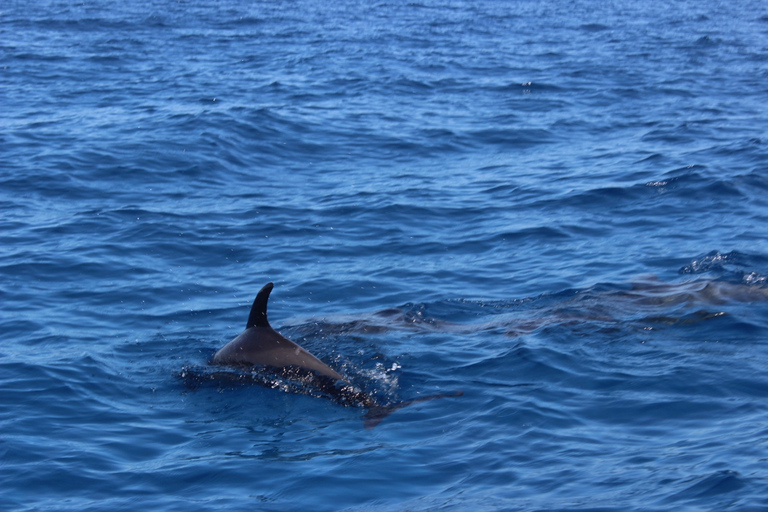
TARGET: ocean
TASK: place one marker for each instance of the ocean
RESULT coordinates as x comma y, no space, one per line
558,209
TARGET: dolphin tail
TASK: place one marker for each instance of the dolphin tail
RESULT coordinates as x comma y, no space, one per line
376,415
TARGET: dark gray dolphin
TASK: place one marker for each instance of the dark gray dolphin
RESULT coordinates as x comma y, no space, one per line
260,344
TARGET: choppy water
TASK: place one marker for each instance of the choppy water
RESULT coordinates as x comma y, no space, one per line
558,208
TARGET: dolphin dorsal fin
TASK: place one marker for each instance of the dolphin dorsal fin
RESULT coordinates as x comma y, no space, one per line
258,316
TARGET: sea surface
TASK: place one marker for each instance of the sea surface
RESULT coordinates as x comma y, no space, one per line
558,208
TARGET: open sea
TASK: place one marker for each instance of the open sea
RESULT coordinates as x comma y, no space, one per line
558,208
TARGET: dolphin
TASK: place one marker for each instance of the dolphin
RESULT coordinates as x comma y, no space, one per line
260,344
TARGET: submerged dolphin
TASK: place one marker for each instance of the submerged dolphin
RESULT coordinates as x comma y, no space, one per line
260,344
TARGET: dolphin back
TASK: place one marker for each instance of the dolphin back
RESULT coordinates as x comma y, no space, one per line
265,346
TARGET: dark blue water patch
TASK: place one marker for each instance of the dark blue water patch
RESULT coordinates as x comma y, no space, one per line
711,486
594,27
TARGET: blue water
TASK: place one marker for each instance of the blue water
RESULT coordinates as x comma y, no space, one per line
559,208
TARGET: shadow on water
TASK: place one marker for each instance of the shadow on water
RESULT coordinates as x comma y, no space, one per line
645,303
